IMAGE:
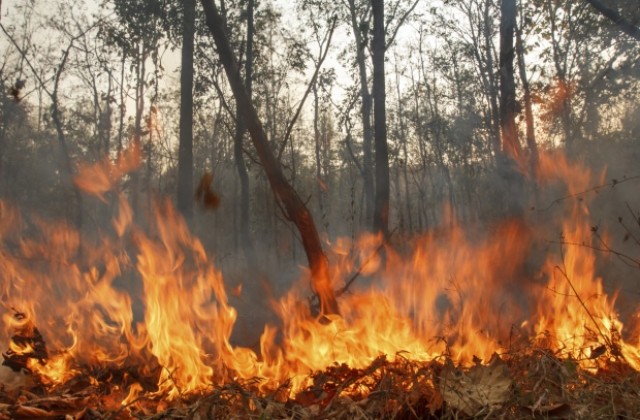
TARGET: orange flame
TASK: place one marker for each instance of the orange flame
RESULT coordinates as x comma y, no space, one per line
450,293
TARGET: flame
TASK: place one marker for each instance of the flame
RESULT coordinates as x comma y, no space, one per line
451,293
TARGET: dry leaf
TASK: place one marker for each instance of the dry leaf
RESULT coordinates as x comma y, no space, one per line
205,195
479,388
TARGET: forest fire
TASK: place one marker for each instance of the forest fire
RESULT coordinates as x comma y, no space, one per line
447,298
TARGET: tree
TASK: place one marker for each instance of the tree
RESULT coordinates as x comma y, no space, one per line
185,152
52,92
293,207
359,27
526,89
378,47
508,104
238,144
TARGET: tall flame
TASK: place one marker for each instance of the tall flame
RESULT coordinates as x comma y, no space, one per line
151,305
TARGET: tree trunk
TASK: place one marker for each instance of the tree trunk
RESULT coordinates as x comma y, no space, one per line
293,207
66,156
185,151
530,129
141,59
320,180
511,150
404,139
508,105
122,106
238,152
381,209
493,90
365,110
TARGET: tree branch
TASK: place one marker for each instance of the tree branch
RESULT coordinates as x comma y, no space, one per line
613,15
323,55
400,23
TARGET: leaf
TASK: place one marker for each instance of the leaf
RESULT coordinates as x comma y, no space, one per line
205,195
479,388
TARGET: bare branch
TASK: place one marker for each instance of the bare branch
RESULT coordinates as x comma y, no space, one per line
624,25
400,23
323,56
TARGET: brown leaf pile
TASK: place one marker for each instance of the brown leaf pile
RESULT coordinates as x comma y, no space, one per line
533,383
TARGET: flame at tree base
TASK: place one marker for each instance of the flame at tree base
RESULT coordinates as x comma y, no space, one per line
443,295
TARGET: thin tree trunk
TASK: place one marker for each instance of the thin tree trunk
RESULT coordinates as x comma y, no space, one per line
140,90
511,149
55,116
365,110
405,154
530,128
293,207
381,208
316,135
185,151
122,106
238,153
493,90
508,106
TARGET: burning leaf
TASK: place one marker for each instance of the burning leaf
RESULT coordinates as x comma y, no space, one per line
597,352
27,343
237,290
205,195
323,185
477,389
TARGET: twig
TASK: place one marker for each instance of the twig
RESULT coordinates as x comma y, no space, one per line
321,58
636,219
355,275
606,339
626,259
611,184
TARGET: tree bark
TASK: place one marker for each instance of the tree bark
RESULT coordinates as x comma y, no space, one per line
293,207
528,111
511,156
185,150
508,105
365,112
493,90
378,46
238,152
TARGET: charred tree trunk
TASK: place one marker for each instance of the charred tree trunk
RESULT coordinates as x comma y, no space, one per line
293,207
185,151
381,208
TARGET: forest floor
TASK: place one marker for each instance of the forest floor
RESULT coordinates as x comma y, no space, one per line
528,382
